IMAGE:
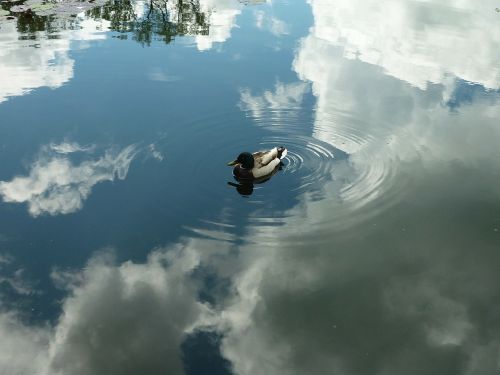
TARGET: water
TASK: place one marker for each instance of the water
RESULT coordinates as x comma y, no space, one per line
126,249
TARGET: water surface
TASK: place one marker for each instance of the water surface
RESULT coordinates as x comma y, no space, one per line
125,250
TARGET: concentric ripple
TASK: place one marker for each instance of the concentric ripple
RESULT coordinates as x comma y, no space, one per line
339,170
309,162
354,165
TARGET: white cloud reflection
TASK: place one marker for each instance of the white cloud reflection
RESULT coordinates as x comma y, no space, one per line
22,348
381,298
380,116
14,277
416,41
396,295
117,319
403,293
159,75
276,26
284,97
56,185
222,18
69,147
29,64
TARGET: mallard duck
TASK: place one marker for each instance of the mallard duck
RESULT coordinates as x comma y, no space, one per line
257,165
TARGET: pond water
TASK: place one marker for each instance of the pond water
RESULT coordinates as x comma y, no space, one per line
126,246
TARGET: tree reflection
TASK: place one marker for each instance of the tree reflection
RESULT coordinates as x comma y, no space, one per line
162,19
146,21
29,23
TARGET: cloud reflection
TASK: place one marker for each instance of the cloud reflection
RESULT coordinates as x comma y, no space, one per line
381,116
222,18
416,41
412,291
408,292
276,26
284,97
117,319
24,68
56,185
22,348
408,288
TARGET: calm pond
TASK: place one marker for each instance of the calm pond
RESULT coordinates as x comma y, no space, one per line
127,247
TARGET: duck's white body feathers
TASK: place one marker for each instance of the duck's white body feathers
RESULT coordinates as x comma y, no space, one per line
266,162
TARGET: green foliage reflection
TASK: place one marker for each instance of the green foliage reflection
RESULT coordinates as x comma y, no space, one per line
161,20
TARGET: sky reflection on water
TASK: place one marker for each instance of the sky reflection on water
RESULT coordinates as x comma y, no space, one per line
374,251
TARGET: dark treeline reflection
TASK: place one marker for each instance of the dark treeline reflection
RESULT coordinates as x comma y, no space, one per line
29,23
159,20
162,19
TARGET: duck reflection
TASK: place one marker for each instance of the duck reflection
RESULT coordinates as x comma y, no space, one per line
256,168
245,188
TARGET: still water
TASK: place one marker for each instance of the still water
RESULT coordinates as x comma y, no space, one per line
375,249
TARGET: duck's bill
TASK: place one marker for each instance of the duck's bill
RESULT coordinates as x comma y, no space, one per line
232,163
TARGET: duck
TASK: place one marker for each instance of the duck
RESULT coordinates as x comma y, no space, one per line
258,165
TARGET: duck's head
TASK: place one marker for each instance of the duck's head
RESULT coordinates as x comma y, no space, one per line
245,159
